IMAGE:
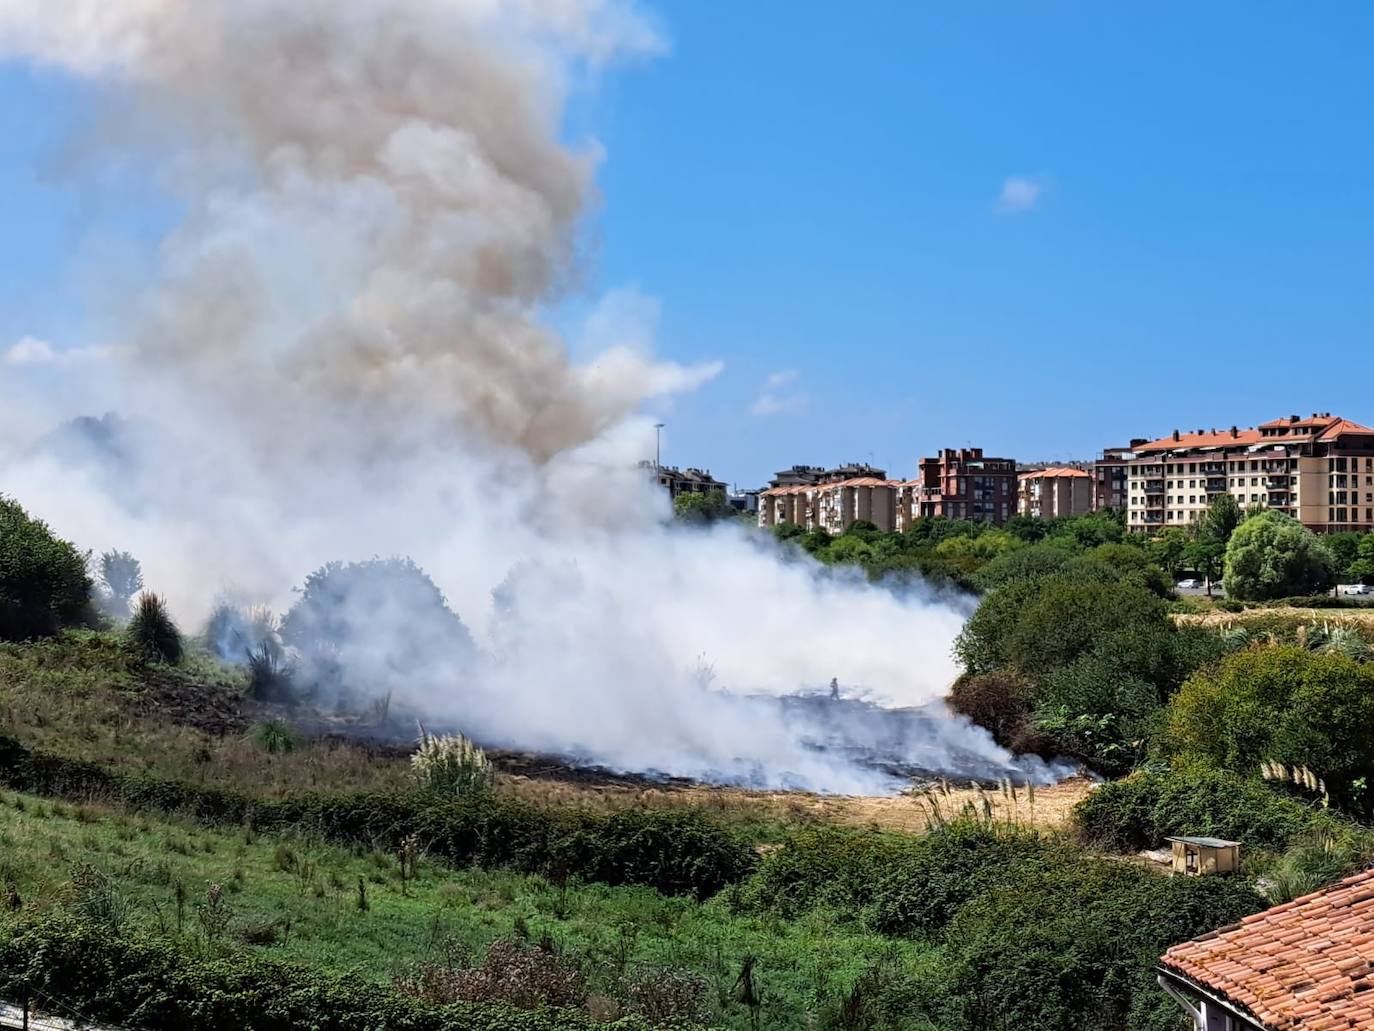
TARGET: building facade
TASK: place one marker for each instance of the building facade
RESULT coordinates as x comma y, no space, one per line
1054,492
683,481
833,499
1320,470
963,484
1111,480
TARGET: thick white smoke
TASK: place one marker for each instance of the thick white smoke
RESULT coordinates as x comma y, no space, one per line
344,355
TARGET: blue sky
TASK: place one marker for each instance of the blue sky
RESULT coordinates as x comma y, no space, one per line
1041,228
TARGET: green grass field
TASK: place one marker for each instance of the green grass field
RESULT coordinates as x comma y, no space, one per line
298,901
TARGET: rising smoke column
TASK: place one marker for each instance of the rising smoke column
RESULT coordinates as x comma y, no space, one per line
342,354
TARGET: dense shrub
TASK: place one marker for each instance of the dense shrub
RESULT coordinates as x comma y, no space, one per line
1064,619
1105,706
146,982
43,581
366,628
895,883
676,852
1283,704
825,867
1001,702
1030,563
1142,810
121,577
151,633
1272,555
1072,945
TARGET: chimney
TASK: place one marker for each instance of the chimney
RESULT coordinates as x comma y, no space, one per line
1235,432
1175,434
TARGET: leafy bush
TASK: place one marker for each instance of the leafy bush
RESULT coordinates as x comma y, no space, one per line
158,984
271,673
1065,619
676,852
273,736
151,634
1002,703
369,627
43,582
1105,706
1072,945
1142,810
1282,704
122,575
450,764
825,867
897,884
1272,555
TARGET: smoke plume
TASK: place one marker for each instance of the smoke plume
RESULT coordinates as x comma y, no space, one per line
344,352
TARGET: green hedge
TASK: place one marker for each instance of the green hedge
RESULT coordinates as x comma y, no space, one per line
142,981
678,852
1141,810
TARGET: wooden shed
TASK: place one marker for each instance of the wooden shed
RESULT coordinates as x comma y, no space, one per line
1198,857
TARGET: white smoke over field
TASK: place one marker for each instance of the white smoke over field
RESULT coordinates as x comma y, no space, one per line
345,354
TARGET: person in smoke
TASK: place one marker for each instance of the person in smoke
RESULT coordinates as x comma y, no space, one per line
834,689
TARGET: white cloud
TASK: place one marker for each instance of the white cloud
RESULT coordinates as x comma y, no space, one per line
1020,194
32,352
779,395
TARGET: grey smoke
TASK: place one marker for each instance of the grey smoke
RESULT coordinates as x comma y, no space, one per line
345,353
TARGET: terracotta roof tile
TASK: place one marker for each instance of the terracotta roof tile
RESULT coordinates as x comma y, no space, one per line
1305,964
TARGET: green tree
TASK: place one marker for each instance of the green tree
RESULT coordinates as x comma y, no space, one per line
1064,619
43,581
1167,549
1272,555
1204,552
700,508
1282,704
1362,568
1222,518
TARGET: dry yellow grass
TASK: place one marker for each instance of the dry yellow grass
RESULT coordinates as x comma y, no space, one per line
1220,617
1050,807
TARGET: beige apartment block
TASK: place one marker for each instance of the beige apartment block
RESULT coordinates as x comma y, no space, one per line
1055,492
1320,470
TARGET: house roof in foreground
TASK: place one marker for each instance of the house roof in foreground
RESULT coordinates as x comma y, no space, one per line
1306,964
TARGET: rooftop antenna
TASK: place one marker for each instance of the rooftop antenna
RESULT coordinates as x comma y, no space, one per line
658,445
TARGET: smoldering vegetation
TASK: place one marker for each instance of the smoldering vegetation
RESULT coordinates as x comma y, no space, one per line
343,354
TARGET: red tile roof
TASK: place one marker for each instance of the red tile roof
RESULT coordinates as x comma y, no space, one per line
1306,964
1054,472
1187,440
1340,427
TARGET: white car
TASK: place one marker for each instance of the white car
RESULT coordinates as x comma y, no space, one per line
1357,589
1190,585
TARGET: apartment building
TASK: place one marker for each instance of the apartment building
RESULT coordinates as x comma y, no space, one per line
1320,470
683,481
964,484
1053,492
810,497
1110,475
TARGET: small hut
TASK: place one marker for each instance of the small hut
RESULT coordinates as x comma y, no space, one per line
1198,857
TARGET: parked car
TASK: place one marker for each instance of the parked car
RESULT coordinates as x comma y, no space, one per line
1190,585
1357,589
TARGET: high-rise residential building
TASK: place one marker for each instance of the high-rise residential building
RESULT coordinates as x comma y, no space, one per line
963,484
1320,470
683,481
810,497
1110,478
1054,492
